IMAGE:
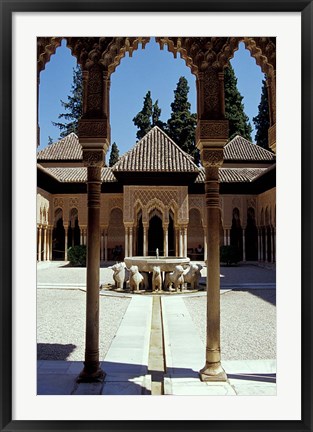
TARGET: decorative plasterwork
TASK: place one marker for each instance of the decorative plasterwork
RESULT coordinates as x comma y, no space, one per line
212,129
162,198
46,47
93,158
92,128
107,51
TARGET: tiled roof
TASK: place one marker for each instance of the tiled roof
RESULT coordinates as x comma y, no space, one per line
241,149
67,148
79,174
155,152
233,175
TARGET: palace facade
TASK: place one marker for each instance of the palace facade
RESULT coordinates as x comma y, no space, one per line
154,197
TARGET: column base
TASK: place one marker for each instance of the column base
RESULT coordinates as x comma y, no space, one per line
91,373
213,372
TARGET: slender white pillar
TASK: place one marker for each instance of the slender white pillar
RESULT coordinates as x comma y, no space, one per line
185,241
225,237
81,237
126,242
205,246
66,242
130,241
45,243
165,240
39,243
180,242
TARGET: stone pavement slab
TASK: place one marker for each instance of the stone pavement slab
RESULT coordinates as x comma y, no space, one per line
185,356
125,365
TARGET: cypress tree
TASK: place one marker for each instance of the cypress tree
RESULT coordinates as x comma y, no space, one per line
114,155
262,120
143,119
234,108
182,123
73,106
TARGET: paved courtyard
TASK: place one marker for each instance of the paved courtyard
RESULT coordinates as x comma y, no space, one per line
248,331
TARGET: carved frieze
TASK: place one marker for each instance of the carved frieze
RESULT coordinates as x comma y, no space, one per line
89,128
58,202
212,129
73,202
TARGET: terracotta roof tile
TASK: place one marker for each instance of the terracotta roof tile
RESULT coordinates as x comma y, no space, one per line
155,152
67,148
79,174
233,175
241,149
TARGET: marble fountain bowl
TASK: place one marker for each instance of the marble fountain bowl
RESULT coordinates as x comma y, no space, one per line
146,263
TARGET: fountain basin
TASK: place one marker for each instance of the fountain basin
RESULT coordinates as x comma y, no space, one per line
146,263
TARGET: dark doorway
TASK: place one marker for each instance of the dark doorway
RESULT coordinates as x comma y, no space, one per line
236,232
251,236
155,236
171,238
58,239
140,237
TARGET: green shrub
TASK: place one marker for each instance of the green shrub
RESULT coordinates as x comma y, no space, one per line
229,255
77,255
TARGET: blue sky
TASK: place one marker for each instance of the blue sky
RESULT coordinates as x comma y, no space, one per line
148,69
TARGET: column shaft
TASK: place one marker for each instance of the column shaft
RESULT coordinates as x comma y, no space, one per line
45,243
66,242
39,243
126,242
92,369
145,240
130,241
106,245
165,242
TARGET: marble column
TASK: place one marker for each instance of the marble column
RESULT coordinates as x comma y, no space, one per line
130,241
39,243
45,243
225,237
126,241
181,243
145,239
205,246
92,370
165,240
211,136
66,242
81,236
185,241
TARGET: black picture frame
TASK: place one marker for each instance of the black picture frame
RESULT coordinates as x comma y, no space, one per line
8,7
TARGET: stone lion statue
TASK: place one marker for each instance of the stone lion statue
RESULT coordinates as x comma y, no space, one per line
135,278
175,278
119,274
192,275
156,279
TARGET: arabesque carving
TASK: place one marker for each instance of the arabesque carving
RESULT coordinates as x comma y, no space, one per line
46,47
92,128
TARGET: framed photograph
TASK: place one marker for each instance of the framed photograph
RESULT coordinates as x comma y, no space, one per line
26,25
